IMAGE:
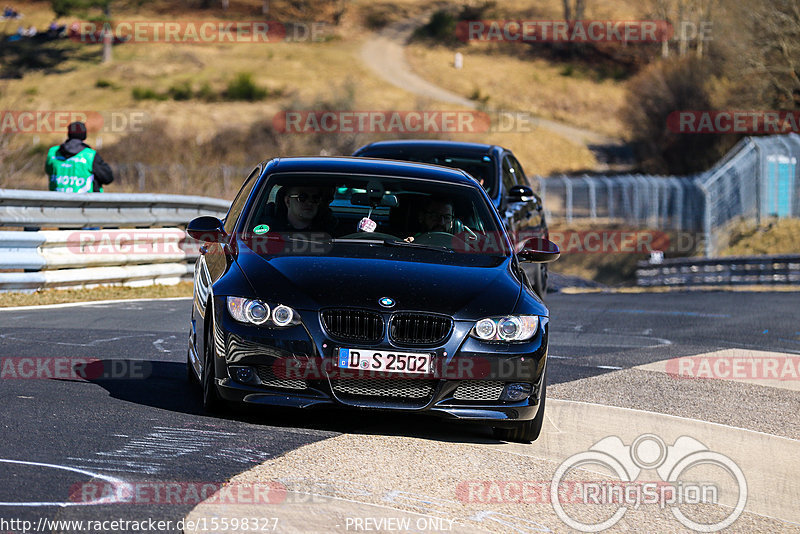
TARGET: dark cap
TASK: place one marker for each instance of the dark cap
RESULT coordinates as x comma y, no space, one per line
76,130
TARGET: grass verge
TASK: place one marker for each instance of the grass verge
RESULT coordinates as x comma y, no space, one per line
60,296
777,236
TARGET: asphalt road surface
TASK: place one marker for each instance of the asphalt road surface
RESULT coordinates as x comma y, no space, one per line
69,441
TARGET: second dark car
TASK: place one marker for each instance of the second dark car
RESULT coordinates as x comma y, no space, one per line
496,169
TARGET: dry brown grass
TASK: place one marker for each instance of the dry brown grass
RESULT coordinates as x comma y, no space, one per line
580,258
303,73
777,236
535,86
59,296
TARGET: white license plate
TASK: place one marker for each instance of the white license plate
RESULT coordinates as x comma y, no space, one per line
385,361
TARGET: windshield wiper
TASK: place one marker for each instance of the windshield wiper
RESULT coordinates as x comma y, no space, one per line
352,240
401,243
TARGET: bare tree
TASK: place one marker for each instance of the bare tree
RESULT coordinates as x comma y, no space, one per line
687,18
574,9
770,58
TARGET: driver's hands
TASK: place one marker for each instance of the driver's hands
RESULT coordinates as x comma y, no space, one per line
409,239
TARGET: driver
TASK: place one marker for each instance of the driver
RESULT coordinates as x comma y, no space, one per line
302,208
436,215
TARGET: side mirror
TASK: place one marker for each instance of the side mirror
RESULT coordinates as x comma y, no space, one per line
520,193
206,229
539,250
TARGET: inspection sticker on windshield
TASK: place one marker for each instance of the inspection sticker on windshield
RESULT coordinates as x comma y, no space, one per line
261,229
379,360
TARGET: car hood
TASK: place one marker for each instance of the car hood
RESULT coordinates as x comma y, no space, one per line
313,282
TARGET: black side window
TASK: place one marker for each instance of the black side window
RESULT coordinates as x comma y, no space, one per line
240,200
519,174
509,179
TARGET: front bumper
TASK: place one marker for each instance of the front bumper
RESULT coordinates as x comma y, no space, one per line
296,368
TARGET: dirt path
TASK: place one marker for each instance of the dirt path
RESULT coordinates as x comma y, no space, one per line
384,53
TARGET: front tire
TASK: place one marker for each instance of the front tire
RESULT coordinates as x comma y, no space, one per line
212,402
540,281
191,377
526,431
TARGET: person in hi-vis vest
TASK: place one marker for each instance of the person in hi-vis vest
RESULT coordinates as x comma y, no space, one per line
74,167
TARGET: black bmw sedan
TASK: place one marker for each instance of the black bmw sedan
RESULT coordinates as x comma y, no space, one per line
369,284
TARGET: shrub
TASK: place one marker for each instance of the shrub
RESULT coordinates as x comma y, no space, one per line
206,93
656,92
478,96
441,26
181,91
242,87
143,93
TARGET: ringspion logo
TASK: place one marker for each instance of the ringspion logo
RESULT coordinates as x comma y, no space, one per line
677,465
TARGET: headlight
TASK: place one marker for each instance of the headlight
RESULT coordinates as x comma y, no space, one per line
509,328
258,312
282,315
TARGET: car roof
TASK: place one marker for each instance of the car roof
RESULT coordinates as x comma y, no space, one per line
379,167
407,146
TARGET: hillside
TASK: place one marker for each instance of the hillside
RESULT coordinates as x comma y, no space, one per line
178,95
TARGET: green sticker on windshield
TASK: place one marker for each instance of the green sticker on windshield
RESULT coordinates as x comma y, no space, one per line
261,229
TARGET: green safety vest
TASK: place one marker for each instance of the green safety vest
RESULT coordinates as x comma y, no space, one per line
71,175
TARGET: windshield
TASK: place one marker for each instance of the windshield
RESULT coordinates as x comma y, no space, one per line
378,211
480,167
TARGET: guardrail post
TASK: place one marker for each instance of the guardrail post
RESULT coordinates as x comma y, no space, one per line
568,207
592,197
141,175
226,178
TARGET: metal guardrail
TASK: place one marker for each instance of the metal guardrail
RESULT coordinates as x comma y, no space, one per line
730,271
42,209
133,238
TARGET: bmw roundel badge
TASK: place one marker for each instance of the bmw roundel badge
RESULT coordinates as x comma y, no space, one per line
386,302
